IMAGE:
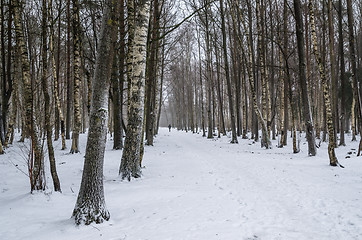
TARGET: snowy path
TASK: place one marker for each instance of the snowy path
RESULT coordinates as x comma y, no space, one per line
196,188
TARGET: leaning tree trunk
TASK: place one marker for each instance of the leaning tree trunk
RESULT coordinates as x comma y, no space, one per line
36,166
90,206
327,99
312,151
130,162
77,63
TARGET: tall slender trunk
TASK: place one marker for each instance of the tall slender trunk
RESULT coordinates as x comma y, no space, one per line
36,166
327,100
342,69
117,84
352,52
265,136
76,76
160,101
68,79
312,151
57,124
334,78
218,89
201,87
234,138
45,87
130,162
55,75
90,206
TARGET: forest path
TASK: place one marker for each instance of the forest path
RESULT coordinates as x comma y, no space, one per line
244,191
193,188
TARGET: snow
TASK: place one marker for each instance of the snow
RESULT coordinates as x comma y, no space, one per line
193,188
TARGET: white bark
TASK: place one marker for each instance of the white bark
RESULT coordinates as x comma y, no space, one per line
130,162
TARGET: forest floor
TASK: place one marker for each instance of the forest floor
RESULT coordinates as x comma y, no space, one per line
193,188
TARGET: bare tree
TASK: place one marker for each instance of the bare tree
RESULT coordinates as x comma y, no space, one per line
90,206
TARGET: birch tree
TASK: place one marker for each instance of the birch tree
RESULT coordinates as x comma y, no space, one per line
130,162
77,66
36,161
327,99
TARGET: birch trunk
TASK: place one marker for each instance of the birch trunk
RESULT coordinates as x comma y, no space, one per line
76,86
327,100
90,206
130,162
36,166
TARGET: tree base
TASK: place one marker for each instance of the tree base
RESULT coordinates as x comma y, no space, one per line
88,214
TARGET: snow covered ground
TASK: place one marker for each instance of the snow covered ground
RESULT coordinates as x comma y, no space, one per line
194,188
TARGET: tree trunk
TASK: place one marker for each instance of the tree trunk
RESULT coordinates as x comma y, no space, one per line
69,92
342,69
130,162
90,206
77,77
55,75
312,151
234,138
117,82
36,167
201,88
354,68
327,100
117,104
48,126
265,137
